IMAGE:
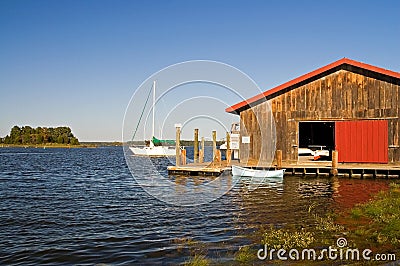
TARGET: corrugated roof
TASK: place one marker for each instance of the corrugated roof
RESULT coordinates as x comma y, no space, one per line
318,73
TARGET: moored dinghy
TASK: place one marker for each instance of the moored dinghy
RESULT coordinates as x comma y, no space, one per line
241,171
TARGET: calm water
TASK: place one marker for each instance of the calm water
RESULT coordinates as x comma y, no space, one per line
82,206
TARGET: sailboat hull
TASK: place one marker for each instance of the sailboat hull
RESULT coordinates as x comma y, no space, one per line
156,151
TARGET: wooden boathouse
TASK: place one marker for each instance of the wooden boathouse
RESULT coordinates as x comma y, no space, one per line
348,106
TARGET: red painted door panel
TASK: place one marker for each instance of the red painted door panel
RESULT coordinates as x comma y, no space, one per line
362,141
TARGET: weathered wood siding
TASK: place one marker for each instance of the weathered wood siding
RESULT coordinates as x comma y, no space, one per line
342,95
259,125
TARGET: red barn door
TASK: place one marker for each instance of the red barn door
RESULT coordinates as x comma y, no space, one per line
362,141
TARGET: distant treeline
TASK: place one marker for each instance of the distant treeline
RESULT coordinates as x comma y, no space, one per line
101,143
40,135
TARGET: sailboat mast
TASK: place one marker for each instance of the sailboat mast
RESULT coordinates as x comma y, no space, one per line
154,107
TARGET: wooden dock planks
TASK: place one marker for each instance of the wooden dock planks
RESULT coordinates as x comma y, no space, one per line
316,170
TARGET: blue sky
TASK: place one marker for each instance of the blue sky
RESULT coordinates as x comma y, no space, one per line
77,63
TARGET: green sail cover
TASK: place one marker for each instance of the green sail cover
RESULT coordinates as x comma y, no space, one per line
159,142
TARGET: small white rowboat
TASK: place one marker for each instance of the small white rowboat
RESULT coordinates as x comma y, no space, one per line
241,171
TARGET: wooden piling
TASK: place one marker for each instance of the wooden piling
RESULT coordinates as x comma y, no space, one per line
183,157
196,146
178,146
217,159
201,159
214,137
228,141
335,157
228,156
201,156
278,159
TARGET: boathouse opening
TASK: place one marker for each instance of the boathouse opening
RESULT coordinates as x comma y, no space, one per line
316,135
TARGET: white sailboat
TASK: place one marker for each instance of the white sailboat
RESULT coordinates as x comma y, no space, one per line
152,150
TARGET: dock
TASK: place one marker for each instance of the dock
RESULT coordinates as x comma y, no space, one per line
198,169
317,169
304,166
350,170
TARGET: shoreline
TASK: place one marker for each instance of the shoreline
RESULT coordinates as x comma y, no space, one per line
44,146
64,146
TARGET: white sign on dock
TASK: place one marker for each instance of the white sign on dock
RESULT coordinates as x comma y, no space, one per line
235,138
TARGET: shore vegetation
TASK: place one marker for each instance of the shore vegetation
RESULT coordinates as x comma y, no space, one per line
28,136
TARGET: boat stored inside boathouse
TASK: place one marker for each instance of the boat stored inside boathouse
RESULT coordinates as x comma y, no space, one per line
347,106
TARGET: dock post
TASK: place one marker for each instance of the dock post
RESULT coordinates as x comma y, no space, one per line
201,156
228,157
278,159
214,137
183,155
217,159
178,145
335,157
228,154
228,141
196,146
201,159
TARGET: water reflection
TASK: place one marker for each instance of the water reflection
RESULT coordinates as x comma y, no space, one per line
288,203
309,188
349,192
252,183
